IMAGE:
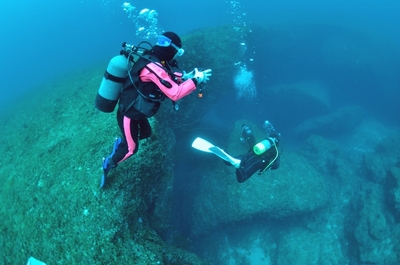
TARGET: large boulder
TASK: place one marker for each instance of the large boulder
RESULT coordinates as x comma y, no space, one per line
295,188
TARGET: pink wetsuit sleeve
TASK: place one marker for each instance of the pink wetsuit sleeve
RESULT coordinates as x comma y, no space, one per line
176,91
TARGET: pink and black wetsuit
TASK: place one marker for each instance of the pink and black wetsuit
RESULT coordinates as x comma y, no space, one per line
141,98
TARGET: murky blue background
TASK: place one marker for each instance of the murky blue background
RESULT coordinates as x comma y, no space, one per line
44,39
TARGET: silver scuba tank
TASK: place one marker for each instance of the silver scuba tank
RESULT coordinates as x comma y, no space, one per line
112,83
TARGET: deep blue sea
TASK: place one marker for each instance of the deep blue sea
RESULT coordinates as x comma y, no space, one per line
44,39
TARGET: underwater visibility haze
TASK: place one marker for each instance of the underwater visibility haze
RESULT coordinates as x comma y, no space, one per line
325,74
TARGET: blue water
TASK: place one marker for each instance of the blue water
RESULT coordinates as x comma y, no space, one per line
44,39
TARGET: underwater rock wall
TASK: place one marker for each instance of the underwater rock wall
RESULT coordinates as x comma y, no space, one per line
294,189
51,206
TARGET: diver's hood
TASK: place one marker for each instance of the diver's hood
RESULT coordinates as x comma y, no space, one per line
164,53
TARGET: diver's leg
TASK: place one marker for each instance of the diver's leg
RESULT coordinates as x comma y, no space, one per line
130,134
144,129
123,147
250,163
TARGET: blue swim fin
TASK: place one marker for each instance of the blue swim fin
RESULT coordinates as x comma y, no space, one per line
107,166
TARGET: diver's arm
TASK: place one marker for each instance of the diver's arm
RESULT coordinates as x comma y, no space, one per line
156,74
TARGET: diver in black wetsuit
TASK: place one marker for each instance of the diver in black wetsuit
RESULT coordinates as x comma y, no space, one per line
262,156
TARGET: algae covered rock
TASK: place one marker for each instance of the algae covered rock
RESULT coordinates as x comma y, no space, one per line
51,205
376,236
395,191
295,188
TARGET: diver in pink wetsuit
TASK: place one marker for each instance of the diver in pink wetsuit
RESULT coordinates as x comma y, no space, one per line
152,78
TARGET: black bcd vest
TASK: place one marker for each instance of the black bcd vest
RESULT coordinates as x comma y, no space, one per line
138,99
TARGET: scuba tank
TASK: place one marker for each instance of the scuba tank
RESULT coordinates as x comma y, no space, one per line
263,146
115,76
111,84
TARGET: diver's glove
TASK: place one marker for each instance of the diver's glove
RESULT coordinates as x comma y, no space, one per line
202,76
187,76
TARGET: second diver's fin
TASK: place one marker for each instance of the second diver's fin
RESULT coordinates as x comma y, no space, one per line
205,146
225,156
202,145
